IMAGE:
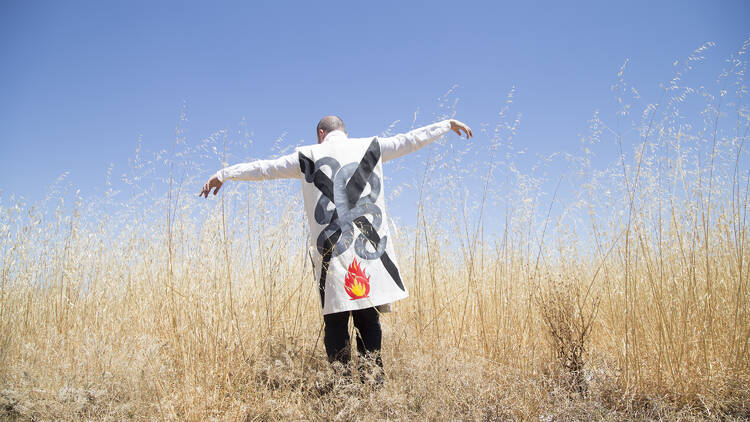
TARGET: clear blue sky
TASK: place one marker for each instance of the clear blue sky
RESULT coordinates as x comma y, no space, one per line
81,81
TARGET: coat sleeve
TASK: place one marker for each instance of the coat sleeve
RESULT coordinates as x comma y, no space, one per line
286,167
405,143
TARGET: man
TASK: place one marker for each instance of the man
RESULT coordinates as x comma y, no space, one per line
342,184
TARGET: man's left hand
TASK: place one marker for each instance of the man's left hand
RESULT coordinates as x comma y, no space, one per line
457,127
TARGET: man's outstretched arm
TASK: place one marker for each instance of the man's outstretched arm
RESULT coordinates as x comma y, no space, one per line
286,167
405,143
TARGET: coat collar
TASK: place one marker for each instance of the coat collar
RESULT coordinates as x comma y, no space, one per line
335,136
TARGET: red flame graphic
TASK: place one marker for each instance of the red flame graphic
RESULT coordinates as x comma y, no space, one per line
357,283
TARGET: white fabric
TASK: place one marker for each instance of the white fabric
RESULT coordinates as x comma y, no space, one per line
338,159
287,166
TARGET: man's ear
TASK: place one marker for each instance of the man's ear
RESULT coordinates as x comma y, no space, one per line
321,135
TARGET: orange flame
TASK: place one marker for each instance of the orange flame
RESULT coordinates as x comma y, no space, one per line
357,282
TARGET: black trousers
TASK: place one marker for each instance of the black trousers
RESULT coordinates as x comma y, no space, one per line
368,333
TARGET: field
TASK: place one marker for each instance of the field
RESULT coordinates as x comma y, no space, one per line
616,289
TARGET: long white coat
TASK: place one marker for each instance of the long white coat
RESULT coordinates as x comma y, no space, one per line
343,189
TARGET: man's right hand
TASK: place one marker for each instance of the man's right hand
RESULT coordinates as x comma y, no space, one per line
213,183
457,127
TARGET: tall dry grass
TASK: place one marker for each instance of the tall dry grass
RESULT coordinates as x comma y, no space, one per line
617,289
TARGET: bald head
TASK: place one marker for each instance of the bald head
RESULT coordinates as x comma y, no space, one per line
327,125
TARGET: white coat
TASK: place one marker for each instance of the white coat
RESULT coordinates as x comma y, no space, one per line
342,184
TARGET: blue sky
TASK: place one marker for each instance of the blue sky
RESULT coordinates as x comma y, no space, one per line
82,81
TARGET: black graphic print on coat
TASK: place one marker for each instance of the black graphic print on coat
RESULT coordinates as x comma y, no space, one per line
350,209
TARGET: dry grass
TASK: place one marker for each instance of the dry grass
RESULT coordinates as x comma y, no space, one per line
628,302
